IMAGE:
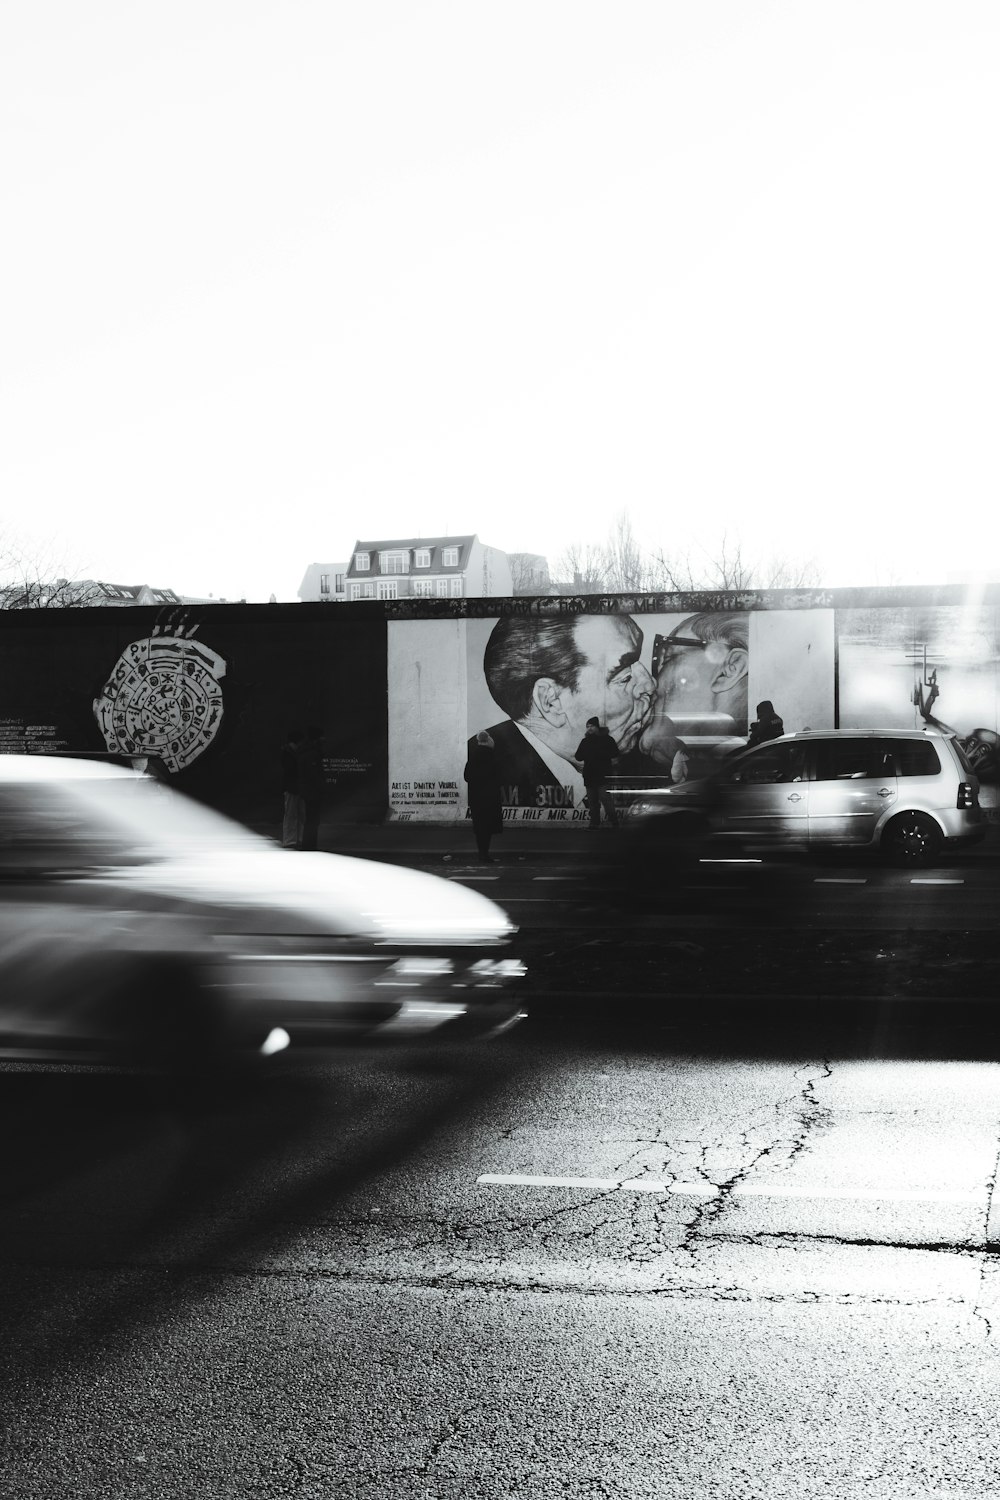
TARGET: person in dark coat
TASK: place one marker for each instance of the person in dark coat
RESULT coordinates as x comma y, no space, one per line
310,764
294,807
766,726
482,773
595,755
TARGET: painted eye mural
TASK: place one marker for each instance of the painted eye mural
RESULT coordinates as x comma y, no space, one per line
163,698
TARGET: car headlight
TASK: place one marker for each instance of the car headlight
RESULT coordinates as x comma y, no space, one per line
416,972
403,928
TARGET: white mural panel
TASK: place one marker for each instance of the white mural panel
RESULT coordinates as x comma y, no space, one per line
427,712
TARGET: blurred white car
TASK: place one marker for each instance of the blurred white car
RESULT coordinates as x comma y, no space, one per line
137,925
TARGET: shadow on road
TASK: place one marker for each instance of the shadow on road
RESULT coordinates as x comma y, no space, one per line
118,1192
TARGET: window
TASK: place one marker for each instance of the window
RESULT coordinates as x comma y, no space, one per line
423,586
853,760
422,557
394,562
387,590
456,586
450,557
769,765
362,562
362,591
442,588
338,583
324,583
913,757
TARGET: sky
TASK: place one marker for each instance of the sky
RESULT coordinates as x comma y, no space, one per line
277,276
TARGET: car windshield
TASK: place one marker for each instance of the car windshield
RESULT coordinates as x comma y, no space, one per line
109,820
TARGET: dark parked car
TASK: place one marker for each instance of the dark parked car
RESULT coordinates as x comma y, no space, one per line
138,925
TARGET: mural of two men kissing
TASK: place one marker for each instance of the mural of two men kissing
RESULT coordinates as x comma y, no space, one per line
678,686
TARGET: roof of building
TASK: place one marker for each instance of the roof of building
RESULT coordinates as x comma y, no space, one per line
97,588
93,591
435,545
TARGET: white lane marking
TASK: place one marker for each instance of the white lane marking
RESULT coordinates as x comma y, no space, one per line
933,880
840,880
742,1190
472,877
557,877
532,900
600,1184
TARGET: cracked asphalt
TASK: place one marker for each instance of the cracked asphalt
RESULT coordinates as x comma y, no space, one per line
732,1266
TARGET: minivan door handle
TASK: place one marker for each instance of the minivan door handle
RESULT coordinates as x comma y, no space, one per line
794,797
886,791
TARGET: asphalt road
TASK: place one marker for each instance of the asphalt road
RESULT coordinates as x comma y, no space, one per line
745,934
662,1240
673,1261
961,891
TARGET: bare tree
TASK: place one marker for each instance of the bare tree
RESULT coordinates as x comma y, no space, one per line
729,569
623,565
30,578
583,569
628,569
529,572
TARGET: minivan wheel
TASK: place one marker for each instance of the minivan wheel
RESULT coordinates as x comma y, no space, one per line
912,839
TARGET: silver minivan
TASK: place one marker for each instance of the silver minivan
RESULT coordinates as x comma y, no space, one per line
908,794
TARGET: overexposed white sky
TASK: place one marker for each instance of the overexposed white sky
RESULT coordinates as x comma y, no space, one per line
279,273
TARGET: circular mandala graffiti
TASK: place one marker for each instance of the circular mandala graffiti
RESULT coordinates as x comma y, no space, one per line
163,698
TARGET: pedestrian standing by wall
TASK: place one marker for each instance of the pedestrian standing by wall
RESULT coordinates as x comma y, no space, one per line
482,772
293,818
310,760
595,757
767,725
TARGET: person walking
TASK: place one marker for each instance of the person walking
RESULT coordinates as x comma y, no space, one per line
482,772
595,757
767,725
293,814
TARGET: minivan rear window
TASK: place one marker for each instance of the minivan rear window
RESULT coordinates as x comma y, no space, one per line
915,757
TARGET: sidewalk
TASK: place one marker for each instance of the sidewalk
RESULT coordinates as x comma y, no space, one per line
455,841
440,841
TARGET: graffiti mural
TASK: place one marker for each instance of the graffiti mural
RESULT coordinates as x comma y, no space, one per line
905,667
675,691
163,699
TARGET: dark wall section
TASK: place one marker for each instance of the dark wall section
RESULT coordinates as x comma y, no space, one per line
212,690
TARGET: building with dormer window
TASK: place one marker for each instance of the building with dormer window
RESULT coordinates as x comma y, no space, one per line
446,567
79,593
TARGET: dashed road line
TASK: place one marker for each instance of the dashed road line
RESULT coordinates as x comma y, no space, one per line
741,1189
933,880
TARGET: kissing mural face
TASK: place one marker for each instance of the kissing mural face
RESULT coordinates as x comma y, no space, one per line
612,684
701,671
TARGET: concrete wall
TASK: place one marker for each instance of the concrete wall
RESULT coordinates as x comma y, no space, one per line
399,687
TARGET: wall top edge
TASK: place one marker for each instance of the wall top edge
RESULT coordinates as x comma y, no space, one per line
170,616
